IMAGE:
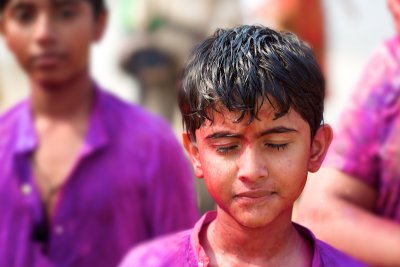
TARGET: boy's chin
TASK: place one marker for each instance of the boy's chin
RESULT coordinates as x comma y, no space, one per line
262,218
52,83
253,220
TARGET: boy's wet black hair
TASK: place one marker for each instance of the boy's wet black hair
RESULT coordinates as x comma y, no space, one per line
242,67
98,6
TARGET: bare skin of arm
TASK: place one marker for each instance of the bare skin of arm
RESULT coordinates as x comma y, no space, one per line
339,209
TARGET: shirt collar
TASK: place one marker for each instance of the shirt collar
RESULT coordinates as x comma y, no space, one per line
201,257
203,260
96,137
26,138
307,234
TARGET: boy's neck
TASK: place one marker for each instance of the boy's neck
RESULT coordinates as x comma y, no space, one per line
64,100
277,244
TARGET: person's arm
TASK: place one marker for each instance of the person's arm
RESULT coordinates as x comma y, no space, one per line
339,209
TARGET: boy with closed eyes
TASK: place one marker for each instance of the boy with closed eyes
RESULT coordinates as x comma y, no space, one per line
252,105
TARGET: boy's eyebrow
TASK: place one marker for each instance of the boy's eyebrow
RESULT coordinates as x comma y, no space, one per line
21,3
275,130
222,135
28,3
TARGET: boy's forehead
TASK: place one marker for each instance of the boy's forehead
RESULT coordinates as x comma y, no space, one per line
55,2
266,119
221,113
221,116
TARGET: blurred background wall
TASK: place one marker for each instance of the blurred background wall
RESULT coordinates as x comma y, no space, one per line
353,29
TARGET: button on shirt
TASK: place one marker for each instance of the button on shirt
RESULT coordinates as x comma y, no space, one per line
184,250
131,183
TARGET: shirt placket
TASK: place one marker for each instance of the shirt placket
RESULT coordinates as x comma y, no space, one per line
29,194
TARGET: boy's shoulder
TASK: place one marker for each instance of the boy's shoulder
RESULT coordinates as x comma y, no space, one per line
11,120
326,255
12,115
130,116
332,257
14,123
168,251
181,249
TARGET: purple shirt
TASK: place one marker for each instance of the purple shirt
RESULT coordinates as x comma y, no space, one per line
132,182
184,250
366,142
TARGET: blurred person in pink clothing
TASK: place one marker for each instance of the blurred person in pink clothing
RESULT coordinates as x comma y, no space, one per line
353,202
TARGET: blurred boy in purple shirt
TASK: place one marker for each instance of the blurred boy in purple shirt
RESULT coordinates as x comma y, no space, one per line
252,102
83,175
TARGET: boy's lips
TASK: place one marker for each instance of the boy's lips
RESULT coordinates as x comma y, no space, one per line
253,197
259,193
47,60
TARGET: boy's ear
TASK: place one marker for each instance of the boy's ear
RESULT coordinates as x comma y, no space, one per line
319,147
193,152
100,25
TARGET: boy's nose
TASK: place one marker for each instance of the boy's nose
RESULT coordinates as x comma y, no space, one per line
44,31
251,166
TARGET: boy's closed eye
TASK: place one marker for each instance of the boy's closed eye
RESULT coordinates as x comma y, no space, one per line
230,147
224,149
278,147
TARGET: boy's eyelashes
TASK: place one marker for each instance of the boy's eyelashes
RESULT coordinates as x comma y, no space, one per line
224,149
278,146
